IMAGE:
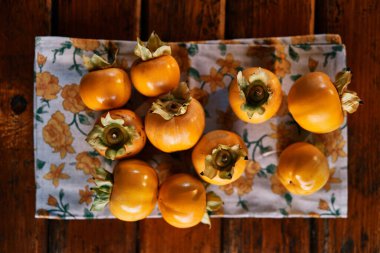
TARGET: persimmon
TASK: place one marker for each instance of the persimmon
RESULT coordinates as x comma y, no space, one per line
131,191
155,72
175,121
302,169
319,105
104,87
220,157
117,134
182,200
255,95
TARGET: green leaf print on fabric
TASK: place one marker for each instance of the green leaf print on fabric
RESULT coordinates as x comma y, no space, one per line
193,73
295,77
223,48
305,46
65,45
60,208
293,54
88,214
332,54
40,164
288,198
243,203
192,49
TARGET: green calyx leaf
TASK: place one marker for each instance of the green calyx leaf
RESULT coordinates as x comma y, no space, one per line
349,99
174,103
96,62
102,189
254,91
112,136
222,160
206,219
214,202
153,48
108,120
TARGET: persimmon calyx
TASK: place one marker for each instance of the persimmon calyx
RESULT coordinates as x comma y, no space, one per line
112,136
349,99
102,189
153,48
222,160
213,201
254,91
96,62
174,103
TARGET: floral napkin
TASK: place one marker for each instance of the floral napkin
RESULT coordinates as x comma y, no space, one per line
65,163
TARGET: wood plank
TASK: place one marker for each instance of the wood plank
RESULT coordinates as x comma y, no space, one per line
266,235
19,230
184,20
358,23
269,18
193,20
114,19
89,236
158,236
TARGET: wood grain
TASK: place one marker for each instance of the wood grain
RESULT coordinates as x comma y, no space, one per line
19,231
116,19
113,19
89,236
358,22
183,20
158,236
266,235
268,18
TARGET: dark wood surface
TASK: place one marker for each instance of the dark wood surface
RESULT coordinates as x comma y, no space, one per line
358,21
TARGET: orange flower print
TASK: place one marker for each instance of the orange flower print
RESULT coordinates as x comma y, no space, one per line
302,39
283,110
228,189
323,205
313,64
215,79
243,184
87,163
332,144
332,180
200,95
226,119
71,99
262,56
314,214
281,65
277,186
55,174
85,44
85,196
57,134
47,85
333,38
228,65
42,213
41,60
181,55
285,134
52,201
122,63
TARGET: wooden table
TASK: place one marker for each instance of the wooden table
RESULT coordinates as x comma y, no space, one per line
358,21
